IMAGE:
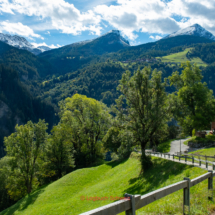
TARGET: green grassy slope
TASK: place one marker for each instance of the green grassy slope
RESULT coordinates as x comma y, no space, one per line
181,57
115,179
208,152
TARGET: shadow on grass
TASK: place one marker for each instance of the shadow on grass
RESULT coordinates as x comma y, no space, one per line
161,171
116,162
24,202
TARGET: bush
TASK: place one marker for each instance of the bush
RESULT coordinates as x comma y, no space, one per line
193,132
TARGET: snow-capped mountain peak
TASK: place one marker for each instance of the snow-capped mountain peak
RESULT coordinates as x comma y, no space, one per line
109,37
194,30
44,48
117,33
16,41
22,43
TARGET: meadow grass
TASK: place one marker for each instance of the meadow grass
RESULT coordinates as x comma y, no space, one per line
115,179
181,57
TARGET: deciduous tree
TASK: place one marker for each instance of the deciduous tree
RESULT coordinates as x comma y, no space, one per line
58,153
86,120
147,106
24,147
195,103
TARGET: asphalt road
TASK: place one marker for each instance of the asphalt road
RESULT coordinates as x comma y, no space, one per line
175,146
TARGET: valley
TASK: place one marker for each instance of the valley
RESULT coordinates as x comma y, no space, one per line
96,97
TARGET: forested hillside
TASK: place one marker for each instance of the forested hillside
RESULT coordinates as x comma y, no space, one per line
72,57
17,105
204,51
76,56
25,63
80,68
160,48
98,81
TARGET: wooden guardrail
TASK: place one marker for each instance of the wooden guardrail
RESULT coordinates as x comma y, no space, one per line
137,201
205,156
186,156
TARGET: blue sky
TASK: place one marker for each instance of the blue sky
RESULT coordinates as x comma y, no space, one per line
60,22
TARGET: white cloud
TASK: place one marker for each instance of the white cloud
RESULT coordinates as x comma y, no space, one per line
156,16
18,28
198,11
53,46
44,44
157,37
137,15
5,7
63,15
129,16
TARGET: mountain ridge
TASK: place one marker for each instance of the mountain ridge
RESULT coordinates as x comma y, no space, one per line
194,30
21,43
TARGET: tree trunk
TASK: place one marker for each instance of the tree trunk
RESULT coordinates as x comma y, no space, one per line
146,162
29,187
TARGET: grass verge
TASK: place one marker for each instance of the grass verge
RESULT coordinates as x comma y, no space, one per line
165,147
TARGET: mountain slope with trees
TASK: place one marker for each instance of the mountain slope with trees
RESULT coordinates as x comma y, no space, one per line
159,48
25,63
17,105
204,51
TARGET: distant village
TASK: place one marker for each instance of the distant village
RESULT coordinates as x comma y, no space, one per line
148,60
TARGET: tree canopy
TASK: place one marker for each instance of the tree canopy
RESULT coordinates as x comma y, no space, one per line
147,106
24,147
86,121
195,103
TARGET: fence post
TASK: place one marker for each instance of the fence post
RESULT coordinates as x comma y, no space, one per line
169,156
213,166
199,162
185,158
132,210
186,199
173,156
179,157
210,186
206,164
192,159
